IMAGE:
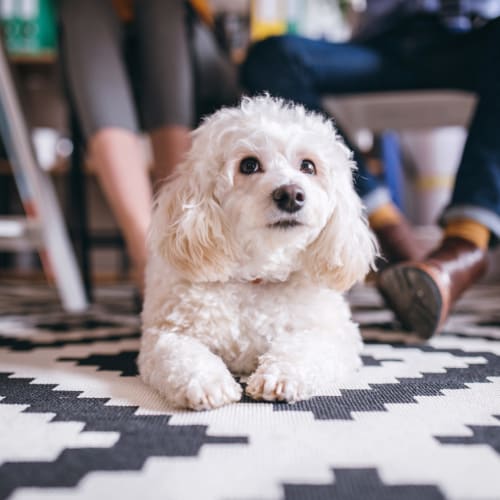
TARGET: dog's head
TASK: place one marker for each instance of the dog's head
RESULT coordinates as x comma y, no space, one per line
265,190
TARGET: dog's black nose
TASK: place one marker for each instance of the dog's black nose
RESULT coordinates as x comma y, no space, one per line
289,198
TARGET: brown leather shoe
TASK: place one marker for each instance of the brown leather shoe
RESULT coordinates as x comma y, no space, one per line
398,244
421,293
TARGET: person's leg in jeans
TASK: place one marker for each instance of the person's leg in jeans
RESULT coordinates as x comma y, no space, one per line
92,50
477,189
303,71
422,293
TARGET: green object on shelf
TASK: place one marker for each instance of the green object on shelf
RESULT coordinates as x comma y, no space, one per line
29,26
295,16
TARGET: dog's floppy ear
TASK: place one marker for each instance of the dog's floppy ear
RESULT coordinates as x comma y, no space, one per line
345,250
188,228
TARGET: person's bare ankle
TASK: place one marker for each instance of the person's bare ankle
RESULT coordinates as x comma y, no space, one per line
138,257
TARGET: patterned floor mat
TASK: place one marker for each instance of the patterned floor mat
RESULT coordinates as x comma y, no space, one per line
418,421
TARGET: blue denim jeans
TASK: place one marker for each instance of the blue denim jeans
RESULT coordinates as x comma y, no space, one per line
417,53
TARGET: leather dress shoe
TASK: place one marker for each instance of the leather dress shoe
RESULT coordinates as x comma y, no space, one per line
397,244
421,293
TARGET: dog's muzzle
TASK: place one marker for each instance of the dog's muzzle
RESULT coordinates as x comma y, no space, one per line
289,198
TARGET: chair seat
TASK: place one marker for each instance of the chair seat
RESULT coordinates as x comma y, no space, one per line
401,110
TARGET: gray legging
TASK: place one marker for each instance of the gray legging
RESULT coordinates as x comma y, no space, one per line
165,60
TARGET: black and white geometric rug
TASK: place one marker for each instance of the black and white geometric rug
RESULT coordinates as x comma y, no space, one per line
417,422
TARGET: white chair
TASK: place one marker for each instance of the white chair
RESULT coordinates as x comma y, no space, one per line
402,110
44,227
430,147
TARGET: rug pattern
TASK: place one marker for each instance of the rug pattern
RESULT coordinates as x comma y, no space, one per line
418,421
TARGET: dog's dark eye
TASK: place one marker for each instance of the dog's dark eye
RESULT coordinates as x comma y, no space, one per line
250,165
308,167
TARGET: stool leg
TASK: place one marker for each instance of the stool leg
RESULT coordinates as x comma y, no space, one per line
38,196
77,204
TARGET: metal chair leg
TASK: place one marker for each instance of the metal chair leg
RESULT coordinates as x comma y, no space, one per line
77,204
38,196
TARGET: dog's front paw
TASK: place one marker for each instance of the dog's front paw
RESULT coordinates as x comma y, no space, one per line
272,384
209,392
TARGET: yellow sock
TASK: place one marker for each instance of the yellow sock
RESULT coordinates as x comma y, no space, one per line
469,230
384,215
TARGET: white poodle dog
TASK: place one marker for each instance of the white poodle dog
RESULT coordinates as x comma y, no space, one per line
252,244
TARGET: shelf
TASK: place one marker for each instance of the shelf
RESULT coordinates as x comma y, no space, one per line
59,168
48,57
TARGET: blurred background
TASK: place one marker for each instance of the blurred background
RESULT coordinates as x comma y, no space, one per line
420,162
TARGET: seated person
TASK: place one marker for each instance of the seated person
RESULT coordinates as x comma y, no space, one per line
151,65
411,45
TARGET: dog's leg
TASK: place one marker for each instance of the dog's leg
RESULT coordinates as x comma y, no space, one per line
299,366
185,371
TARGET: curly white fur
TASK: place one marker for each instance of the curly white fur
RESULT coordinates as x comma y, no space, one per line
229,292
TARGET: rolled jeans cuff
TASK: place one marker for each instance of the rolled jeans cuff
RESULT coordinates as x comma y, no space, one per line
375,199
485,217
